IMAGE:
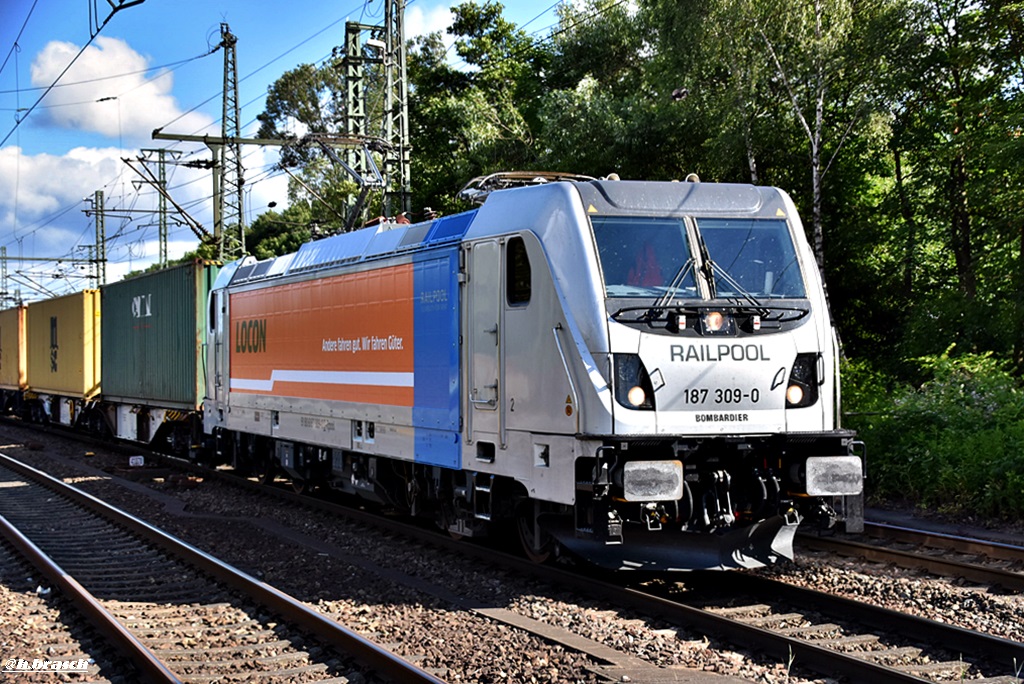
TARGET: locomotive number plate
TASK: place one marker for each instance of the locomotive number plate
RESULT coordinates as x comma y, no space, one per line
720,395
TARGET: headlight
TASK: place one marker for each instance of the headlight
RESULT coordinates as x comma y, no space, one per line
717,323
802,389
651,480
633,388
713,321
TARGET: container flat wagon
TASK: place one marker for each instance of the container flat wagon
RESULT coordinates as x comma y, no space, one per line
63,358
153,374
13,361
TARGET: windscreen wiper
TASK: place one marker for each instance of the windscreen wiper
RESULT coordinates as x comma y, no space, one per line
710,268
707,266
674,286
732,282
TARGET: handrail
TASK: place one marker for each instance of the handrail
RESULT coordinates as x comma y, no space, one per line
568,375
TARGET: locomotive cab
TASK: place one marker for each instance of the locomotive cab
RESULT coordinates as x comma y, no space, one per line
705,375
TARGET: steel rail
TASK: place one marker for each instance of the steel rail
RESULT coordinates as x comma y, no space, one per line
941,540
908,559
885,619
349,642
783,647
153,669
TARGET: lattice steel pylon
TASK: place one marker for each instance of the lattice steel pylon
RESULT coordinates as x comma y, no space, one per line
229,221
161,156
355,96
389,40
101,239
4,294
396,110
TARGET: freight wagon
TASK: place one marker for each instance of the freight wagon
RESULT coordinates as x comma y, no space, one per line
153,375
13,359
63,358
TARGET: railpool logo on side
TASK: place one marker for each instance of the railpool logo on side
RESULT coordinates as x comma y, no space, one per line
40,665
251,336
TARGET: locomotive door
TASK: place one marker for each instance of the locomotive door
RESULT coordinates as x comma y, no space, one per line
484,338
217,349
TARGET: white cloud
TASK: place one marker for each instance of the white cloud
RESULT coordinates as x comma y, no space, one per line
141,102
50,209
419,22
41,212
141,255
46,182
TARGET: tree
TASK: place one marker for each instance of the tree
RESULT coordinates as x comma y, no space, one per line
953,103
719,75
602,114
466,123
825,54
306,99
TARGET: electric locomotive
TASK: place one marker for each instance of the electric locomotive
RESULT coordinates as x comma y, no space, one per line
644,374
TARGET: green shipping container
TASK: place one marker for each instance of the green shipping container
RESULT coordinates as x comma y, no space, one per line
153,332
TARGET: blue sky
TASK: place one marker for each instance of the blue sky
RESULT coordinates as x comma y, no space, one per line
148,67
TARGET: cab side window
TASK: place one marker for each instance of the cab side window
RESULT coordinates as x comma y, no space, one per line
213,312
518,283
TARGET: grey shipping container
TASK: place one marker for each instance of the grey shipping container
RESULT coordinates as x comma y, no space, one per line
153,331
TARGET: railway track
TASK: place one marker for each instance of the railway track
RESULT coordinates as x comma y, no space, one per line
814,632
817,631
176,612
839,636
820,632
43,633
976,560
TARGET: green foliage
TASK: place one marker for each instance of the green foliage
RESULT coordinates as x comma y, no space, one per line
952,442
466,124
308,95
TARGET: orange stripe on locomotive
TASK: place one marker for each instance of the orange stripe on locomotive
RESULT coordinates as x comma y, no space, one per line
344,338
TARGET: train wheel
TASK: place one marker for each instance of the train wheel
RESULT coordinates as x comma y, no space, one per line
445,520
300,486
535,552
264,470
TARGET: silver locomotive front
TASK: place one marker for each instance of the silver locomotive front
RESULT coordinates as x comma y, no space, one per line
722,362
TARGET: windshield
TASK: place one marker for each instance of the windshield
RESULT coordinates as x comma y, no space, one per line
757,255
647,256
641,256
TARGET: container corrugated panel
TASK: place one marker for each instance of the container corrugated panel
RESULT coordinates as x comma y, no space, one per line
12,348
63,339
153,331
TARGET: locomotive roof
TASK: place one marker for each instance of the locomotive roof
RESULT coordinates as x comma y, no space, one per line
679,198
600,197
350,248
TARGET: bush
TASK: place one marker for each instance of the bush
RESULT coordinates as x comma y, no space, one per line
954,442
